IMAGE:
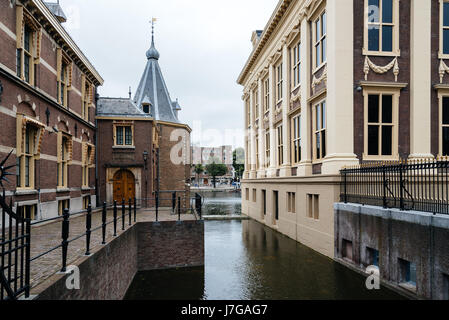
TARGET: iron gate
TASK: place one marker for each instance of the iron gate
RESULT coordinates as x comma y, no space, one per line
15,245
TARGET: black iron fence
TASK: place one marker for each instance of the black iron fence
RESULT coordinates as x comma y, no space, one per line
16,233
15,252
178,202
407,185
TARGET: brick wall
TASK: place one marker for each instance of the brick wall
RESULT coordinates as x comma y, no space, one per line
109,271
20,97
404,77
173,176
170,244
106,275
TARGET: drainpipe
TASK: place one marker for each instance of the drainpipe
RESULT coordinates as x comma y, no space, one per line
97,196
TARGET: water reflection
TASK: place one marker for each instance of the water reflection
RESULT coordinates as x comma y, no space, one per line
222,203
246,260
254,262
174,284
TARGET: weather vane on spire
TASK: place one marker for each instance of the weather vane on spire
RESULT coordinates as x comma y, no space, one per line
153,20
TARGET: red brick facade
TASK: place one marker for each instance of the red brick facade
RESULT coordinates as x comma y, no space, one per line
172,176
38,102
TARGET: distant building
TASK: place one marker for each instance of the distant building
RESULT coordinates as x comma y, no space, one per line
47,111
135,141
205,156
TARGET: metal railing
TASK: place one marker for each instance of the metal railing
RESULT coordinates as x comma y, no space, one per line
128,217
420,185
16,238
15,252
178,202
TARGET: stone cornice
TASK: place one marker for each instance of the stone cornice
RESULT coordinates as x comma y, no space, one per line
308,8
277,15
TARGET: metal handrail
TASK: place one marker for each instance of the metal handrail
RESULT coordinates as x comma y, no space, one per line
412,185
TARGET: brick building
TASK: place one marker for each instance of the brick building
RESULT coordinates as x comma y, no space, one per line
143,147
47,110
336,83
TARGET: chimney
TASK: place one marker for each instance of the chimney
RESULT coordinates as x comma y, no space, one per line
256,37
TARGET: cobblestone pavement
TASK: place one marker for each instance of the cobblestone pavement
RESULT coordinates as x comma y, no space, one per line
48,236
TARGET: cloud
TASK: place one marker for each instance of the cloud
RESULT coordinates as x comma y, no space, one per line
203,44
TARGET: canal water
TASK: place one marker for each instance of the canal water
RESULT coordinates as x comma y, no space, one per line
245,260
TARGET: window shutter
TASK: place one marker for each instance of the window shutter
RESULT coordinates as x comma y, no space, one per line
20,135
69,148
91,155
84,153
38,144
19,26
83,87
59,146
90,94
70,71
58,64
38,46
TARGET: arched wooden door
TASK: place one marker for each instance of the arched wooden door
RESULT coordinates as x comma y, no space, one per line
124,186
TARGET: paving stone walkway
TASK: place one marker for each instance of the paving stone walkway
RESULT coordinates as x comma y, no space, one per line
48,236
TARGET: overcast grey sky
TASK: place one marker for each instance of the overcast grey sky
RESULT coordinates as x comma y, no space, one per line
203,44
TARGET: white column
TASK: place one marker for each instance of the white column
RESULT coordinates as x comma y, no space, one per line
340,87
246,137
420,82
252,136
286,170
305,167
272,169
261,170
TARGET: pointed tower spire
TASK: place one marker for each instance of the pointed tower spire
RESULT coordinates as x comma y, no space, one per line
152,91
152,53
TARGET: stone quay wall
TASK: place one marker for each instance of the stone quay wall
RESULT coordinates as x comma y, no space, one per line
396,240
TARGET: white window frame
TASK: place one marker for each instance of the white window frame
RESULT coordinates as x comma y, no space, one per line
396,52
441,54
266,88
319,41
395,92
296,65
280,145
442,93
322,130
279,82
296,138
267,149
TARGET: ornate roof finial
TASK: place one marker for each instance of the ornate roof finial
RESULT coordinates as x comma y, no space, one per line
152,53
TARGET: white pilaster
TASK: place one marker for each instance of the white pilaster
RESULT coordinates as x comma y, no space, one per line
252,136
286,170
272,169
261,171
420,82
305,167
340,86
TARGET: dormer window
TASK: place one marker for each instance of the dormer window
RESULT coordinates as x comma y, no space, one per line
146,108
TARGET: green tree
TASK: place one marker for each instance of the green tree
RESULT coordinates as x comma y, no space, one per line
238,162
199,169
216,170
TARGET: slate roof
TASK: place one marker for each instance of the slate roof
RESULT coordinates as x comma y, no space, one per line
152,88
56,9
119,107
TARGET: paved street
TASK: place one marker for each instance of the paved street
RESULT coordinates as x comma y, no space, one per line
48,236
